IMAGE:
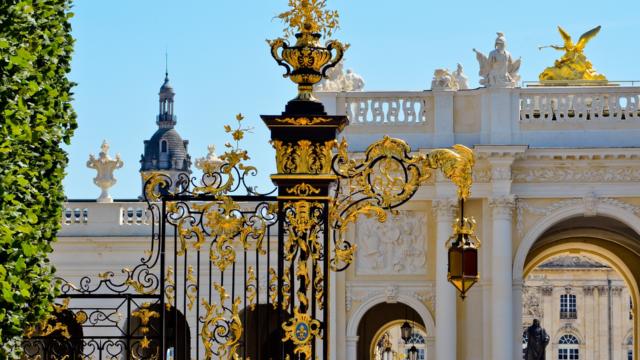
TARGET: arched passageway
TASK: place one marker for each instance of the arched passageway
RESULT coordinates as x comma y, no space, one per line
383,318
608,241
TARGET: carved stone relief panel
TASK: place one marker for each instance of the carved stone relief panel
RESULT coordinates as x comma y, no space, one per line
531,302
397,246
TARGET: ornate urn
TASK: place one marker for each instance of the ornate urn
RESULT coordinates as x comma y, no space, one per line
307,62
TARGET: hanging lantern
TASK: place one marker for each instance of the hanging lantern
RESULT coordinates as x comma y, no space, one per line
412,354
463,254
406,330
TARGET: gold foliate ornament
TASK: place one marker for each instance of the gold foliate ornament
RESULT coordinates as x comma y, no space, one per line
304,157
573,66
216,325
309,21
252,286
303,189
145,315
273,288
303,121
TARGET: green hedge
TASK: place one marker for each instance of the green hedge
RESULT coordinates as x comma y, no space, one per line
36,116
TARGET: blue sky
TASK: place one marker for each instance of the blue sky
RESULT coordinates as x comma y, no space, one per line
219,63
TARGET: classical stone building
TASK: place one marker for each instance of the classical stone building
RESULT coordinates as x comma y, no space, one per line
557,172
583,304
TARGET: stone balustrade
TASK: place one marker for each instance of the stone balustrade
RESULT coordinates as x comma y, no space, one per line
121,218
580,104
537,116
374,108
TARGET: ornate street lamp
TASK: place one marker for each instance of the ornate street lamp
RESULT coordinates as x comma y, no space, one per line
463,254
406,330
412,354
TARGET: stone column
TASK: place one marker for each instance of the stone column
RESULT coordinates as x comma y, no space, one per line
517,314
446,318
502,338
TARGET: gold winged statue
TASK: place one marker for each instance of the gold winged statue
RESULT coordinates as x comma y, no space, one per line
573,65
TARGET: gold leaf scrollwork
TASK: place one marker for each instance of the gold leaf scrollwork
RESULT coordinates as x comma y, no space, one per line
252,287
170,288
302,121
286,288
192,286
154,182
217,325
273,288
319,285
303,189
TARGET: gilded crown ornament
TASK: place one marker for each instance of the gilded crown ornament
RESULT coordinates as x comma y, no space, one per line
573,66
307,62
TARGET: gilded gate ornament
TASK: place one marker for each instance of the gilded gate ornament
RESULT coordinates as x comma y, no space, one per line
573,65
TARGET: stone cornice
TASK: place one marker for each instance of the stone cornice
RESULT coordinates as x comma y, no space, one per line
580,154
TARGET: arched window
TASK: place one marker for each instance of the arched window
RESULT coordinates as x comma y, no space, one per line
568,348
568,306
163,146
416,340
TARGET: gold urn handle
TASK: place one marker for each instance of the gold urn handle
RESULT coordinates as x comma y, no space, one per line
275,45
340,48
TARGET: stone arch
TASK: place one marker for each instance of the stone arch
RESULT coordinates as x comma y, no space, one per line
622,256
574,210
418,306
359,313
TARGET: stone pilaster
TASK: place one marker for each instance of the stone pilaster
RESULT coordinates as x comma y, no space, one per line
502,278
446,333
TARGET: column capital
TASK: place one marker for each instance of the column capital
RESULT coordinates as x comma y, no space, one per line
547,290
502,206
616,290
588,290
444,209
603,290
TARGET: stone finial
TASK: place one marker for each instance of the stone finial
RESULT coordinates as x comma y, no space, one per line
105,166
211,163
339,80
498,69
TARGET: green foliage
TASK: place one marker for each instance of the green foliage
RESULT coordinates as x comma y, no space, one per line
35,117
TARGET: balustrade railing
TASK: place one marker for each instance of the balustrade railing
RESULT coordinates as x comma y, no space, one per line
579,104
373,108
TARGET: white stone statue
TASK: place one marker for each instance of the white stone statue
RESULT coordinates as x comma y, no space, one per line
105,166
443,80
338,80
498,69
461,78
211,163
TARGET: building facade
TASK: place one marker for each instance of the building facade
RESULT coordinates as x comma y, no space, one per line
584,305
557,172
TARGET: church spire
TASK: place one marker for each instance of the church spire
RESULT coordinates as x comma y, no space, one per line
166,117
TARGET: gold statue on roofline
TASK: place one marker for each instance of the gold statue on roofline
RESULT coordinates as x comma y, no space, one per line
573,66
